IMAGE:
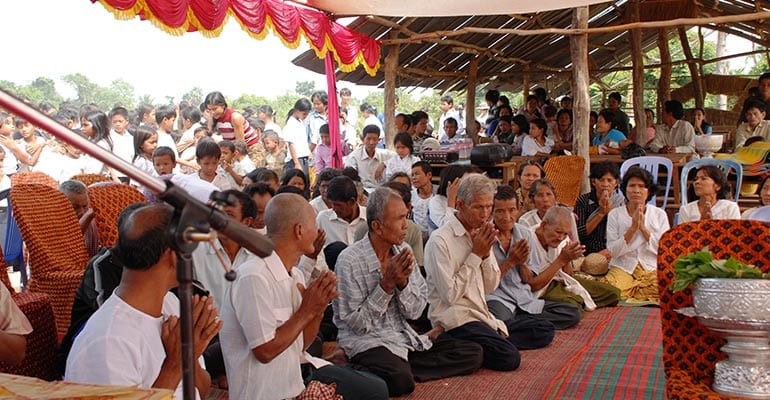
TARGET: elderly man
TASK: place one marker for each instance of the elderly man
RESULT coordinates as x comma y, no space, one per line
462,271
272,315
549,270
513,301
380,289
133,339
675,135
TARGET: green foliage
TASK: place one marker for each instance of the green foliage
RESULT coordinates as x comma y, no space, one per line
194,96
305,88
248,100
700,264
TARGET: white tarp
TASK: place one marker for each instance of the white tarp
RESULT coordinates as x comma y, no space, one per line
441,8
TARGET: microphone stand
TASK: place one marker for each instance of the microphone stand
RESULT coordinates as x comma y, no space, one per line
190,216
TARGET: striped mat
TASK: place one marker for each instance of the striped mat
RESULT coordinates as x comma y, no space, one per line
614,353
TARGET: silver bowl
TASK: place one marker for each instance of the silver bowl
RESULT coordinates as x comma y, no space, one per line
735,299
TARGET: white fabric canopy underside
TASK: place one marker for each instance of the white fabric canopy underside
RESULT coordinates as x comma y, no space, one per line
441,8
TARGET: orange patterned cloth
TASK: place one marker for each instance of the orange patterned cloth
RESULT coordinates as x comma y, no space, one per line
690,350
14,386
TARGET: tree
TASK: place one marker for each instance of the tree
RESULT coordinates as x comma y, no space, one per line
194,96
85,89
305,88
246,100
47,89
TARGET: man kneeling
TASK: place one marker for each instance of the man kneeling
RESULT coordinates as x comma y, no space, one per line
380,288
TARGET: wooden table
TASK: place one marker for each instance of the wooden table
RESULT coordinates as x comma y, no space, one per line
503,172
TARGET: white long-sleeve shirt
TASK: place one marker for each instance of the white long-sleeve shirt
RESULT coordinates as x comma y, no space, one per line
639,251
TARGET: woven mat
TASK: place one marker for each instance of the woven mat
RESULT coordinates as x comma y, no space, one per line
623,361
539,368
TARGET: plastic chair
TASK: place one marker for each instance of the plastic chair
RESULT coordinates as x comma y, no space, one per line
57,251
725,165
652,164
108,201
566,174
690,350
41,343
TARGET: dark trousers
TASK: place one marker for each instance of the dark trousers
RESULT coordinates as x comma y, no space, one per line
304,164
561,315
500,353
351,384
447,357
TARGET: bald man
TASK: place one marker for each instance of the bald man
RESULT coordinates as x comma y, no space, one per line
272,315
133,339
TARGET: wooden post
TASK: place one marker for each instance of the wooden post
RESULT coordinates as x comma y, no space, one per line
470,100
638,80
581,106
391,65
693,66
526,84
664,83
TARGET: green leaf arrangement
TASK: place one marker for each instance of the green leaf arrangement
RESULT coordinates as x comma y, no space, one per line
700,264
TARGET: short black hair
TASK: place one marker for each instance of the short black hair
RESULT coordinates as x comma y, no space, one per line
424,166
598,170
342,188
675,108
248,206
644,175
328,174
260,188
505,192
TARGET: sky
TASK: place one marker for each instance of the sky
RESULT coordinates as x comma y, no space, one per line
60,37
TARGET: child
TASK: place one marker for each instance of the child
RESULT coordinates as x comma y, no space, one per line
145,143
30,142
9,146
403,163
208,153
241,156
5,182
122,140
188,155
275,153
77,194
164,161
227,167
96,127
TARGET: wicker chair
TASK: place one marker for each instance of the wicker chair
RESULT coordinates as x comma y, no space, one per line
20,178
690,350
41,343
566,174
107,202
57,252
88,179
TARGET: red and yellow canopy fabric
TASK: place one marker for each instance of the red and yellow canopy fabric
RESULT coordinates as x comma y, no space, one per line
289,22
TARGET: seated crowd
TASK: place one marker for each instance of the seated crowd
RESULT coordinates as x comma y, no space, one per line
415,282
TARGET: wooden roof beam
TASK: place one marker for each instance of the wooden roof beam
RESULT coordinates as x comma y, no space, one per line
679,22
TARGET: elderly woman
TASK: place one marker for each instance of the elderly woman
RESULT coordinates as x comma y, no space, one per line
633,232
542,194
711,188
764,197
593,207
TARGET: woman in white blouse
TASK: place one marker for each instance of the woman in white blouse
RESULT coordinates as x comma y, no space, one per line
633,232
536,144
764,197
711,188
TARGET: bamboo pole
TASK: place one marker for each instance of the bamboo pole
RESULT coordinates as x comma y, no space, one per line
390,69
638,80
674,23
581,103
693,67
527,83
470,100
664,83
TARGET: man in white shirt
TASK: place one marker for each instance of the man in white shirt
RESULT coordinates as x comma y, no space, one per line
368,159
341,221
462,270
133,339
755,124
208,269
674,135
272,314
